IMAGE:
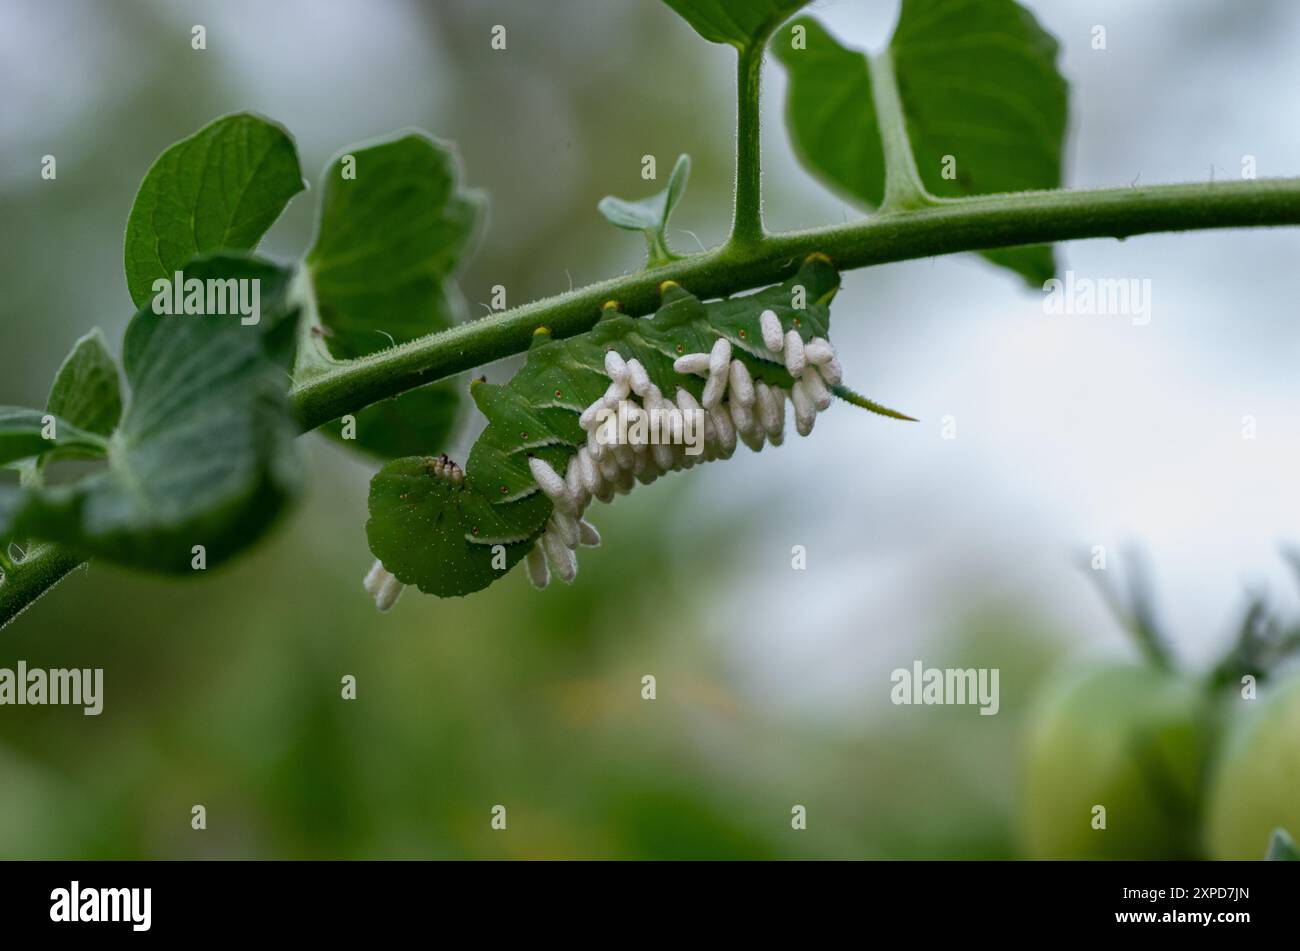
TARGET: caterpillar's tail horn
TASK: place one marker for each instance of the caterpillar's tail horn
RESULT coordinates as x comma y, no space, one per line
871,406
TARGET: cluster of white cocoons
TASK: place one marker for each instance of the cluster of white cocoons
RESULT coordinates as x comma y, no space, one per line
735,407
382,586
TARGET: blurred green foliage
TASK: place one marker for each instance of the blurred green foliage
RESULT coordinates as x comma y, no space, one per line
227,692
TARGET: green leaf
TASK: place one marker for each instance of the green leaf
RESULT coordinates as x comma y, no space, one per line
389,240
394,227
1282,848
218,190
830,113
997,105
86,390
423,418
205,454
28,433
984,107
650,215
426,529
737,22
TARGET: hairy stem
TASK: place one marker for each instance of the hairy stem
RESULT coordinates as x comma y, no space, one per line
747,219
944,226
947,226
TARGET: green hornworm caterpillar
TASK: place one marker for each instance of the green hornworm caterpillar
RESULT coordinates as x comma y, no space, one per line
685,384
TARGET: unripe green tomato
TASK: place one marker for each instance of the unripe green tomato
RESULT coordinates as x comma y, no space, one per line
1256,786
1129,739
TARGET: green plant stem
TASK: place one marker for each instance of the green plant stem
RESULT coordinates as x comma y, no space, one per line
903,187
42,568
747,219
946,227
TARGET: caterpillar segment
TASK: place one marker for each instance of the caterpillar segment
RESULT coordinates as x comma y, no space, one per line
724,370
